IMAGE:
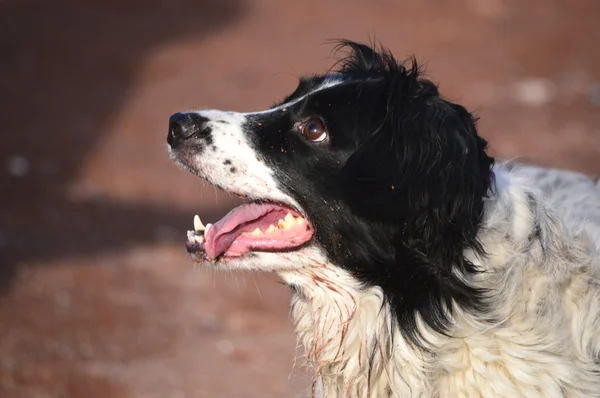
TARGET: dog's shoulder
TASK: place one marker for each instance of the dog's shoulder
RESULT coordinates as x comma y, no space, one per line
542,271
572,196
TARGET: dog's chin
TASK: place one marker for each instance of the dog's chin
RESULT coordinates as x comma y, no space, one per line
257,234
292,262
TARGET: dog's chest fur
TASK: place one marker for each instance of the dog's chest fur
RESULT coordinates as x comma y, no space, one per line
542,338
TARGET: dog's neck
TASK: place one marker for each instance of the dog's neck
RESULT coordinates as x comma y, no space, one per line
353,345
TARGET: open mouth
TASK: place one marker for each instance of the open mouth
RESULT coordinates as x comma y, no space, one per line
252,227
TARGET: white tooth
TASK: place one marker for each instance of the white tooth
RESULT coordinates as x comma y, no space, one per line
199,239
289,219
198,226
281,224
257,232
207,228
271,228
300,221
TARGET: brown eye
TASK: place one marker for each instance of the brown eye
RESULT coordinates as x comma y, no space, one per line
314,130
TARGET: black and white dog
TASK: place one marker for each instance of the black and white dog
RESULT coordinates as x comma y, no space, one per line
418,268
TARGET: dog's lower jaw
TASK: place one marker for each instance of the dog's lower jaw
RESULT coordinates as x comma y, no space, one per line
353,346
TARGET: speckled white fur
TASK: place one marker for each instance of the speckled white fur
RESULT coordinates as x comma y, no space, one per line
232,148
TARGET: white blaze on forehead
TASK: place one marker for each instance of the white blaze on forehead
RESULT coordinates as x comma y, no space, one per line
330,81
235,165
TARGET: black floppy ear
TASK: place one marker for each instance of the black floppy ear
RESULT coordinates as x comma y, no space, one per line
424,172
425,161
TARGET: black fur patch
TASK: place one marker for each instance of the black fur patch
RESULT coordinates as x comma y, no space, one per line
396,192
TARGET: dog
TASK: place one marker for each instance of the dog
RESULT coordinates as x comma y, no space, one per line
419,266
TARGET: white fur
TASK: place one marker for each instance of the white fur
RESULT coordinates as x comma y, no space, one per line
252,177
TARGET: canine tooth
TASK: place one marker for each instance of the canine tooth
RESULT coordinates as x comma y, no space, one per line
199,239
257,232
207,228
300,221
287,222
198,226
271,228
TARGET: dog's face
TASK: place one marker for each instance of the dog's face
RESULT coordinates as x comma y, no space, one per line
365,168
288,159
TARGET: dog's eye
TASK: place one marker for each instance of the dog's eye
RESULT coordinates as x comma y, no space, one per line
314,130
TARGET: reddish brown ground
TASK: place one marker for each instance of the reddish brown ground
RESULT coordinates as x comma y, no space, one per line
98,296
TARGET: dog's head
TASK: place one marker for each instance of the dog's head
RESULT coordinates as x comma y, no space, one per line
366,168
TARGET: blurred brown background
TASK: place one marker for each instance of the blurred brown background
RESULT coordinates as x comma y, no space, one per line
98,297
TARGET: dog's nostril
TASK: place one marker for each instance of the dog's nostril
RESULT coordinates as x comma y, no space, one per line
179,126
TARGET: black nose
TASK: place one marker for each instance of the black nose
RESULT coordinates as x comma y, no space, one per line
183,126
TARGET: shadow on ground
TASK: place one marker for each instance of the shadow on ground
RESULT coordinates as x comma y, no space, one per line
66,68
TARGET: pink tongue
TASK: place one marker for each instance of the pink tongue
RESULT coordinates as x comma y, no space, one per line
225,236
